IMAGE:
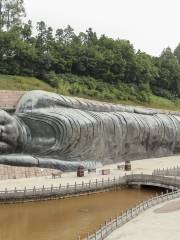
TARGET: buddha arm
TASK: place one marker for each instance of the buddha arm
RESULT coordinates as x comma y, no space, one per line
41,99
32,161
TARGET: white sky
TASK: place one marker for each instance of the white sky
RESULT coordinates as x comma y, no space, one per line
150,25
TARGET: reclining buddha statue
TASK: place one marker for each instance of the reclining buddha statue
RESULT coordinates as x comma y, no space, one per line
54,131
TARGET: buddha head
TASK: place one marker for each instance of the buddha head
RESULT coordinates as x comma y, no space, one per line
9,133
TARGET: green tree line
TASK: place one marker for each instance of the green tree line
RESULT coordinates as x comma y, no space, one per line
92,65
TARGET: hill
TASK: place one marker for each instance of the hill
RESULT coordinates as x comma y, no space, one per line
22,83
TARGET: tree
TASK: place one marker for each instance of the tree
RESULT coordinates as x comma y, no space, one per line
26,31
177,53
91,37
167,84
11,13
145,69
65,35
45,43
59,34
1,15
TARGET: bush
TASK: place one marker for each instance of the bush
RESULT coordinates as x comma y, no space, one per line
52,79
82,86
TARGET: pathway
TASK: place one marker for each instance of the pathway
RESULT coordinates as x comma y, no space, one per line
159,223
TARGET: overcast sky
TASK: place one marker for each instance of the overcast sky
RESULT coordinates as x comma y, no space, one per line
150,25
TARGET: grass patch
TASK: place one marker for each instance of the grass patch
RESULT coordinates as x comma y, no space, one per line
21,83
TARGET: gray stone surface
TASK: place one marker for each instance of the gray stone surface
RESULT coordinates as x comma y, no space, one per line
50,130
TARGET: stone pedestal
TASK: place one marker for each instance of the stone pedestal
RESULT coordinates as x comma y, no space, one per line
127,166
80,171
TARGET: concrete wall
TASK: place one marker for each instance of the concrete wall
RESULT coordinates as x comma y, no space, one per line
9,99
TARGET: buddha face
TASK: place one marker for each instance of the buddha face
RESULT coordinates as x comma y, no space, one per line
9,133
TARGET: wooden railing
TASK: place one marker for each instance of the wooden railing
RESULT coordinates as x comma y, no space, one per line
114,223
173,171
16,195
153,180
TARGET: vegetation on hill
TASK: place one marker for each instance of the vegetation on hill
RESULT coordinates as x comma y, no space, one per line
83,64
97,92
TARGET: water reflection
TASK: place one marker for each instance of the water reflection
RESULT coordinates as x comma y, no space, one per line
64,219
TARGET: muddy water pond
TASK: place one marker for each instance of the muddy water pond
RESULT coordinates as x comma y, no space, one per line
63,219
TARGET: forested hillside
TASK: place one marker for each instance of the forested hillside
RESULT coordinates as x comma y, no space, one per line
85,64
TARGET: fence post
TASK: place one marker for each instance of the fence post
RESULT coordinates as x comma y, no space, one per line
139,205
34,190
106,227
144,206
127,211
167,194
131,213
152,200
43,189
5,192
67,187
159,199
156,197
136,210
112,221
51,188
175,180
75,187
162,199
87,236
101,232
122,216
25,191
149,203
89,184
116,221
96,183
119,180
